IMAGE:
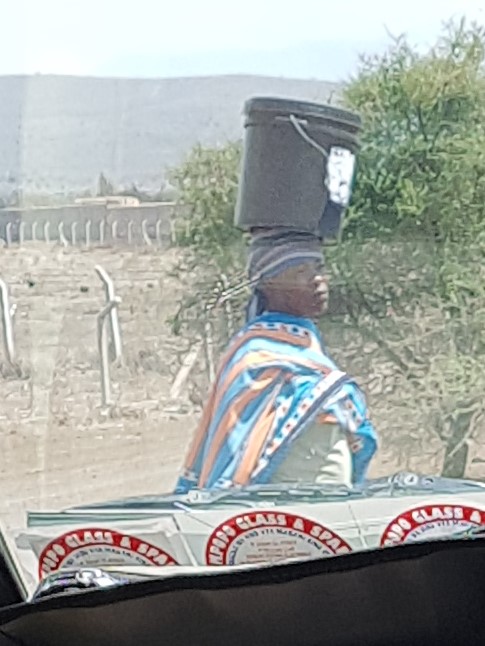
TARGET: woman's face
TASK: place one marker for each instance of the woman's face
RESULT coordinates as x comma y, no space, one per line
301,290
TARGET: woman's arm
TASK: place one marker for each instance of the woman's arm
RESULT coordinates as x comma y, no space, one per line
349,409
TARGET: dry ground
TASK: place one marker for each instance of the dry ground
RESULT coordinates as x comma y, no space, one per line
58,447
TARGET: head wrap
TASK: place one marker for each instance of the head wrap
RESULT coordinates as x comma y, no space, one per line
273,251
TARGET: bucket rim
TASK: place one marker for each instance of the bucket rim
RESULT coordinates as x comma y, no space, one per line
280,106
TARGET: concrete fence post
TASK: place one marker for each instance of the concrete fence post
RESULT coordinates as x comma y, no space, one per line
102,338
7,324
110,296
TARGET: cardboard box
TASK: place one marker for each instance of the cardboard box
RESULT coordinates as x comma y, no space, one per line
236,535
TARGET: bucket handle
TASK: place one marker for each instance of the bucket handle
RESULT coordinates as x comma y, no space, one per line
297,125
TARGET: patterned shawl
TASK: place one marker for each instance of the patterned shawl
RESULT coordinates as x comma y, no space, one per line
273,381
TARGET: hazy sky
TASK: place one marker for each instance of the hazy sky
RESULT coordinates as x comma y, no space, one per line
310,39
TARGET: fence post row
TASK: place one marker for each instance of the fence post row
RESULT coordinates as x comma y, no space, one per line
73,239
111,305
7,326
110,309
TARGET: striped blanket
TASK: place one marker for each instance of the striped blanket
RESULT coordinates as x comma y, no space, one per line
273,381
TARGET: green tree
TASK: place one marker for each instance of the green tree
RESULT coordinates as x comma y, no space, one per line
421,179
422,162
105,187
206,189
206,185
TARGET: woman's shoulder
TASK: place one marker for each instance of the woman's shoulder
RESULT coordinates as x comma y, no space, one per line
274,322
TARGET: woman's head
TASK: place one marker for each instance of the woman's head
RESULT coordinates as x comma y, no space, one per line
301,290
287,268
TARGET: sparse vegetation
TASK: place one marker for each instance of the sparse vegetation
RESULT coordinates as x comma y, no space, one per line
105,187
207,186
408,302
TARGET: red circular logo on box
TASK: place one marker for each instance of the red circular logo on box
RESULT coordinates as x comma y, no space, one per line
95,546
271,536
431,521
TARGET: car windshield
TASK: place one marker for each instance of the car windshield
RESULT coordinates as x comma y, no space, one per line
242,281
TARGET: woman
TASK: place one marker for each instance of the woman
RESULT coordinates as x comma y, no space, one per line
280,410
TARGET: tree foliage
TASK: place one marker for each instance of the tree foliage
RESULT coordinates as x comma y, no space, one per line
207,185
421,178
422,162
105,187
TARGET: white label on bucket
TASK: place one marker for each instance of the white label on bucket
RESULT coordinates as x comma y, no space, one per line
266,537
340,174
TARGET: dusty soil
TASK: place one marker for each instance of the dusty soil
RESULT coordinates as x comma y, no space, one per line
58,445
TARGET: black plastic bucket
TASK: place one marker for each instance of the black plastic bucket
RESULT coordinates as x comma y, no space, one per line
284,178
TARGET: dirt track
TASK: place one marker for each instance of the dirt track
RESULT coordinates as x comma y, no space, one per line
58,447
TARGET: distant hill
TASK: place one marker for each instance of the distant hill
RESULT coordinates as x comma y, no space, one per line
58,133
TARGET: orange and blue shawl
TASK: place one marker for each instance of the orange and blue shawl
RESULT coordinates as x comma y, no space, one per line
273,381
